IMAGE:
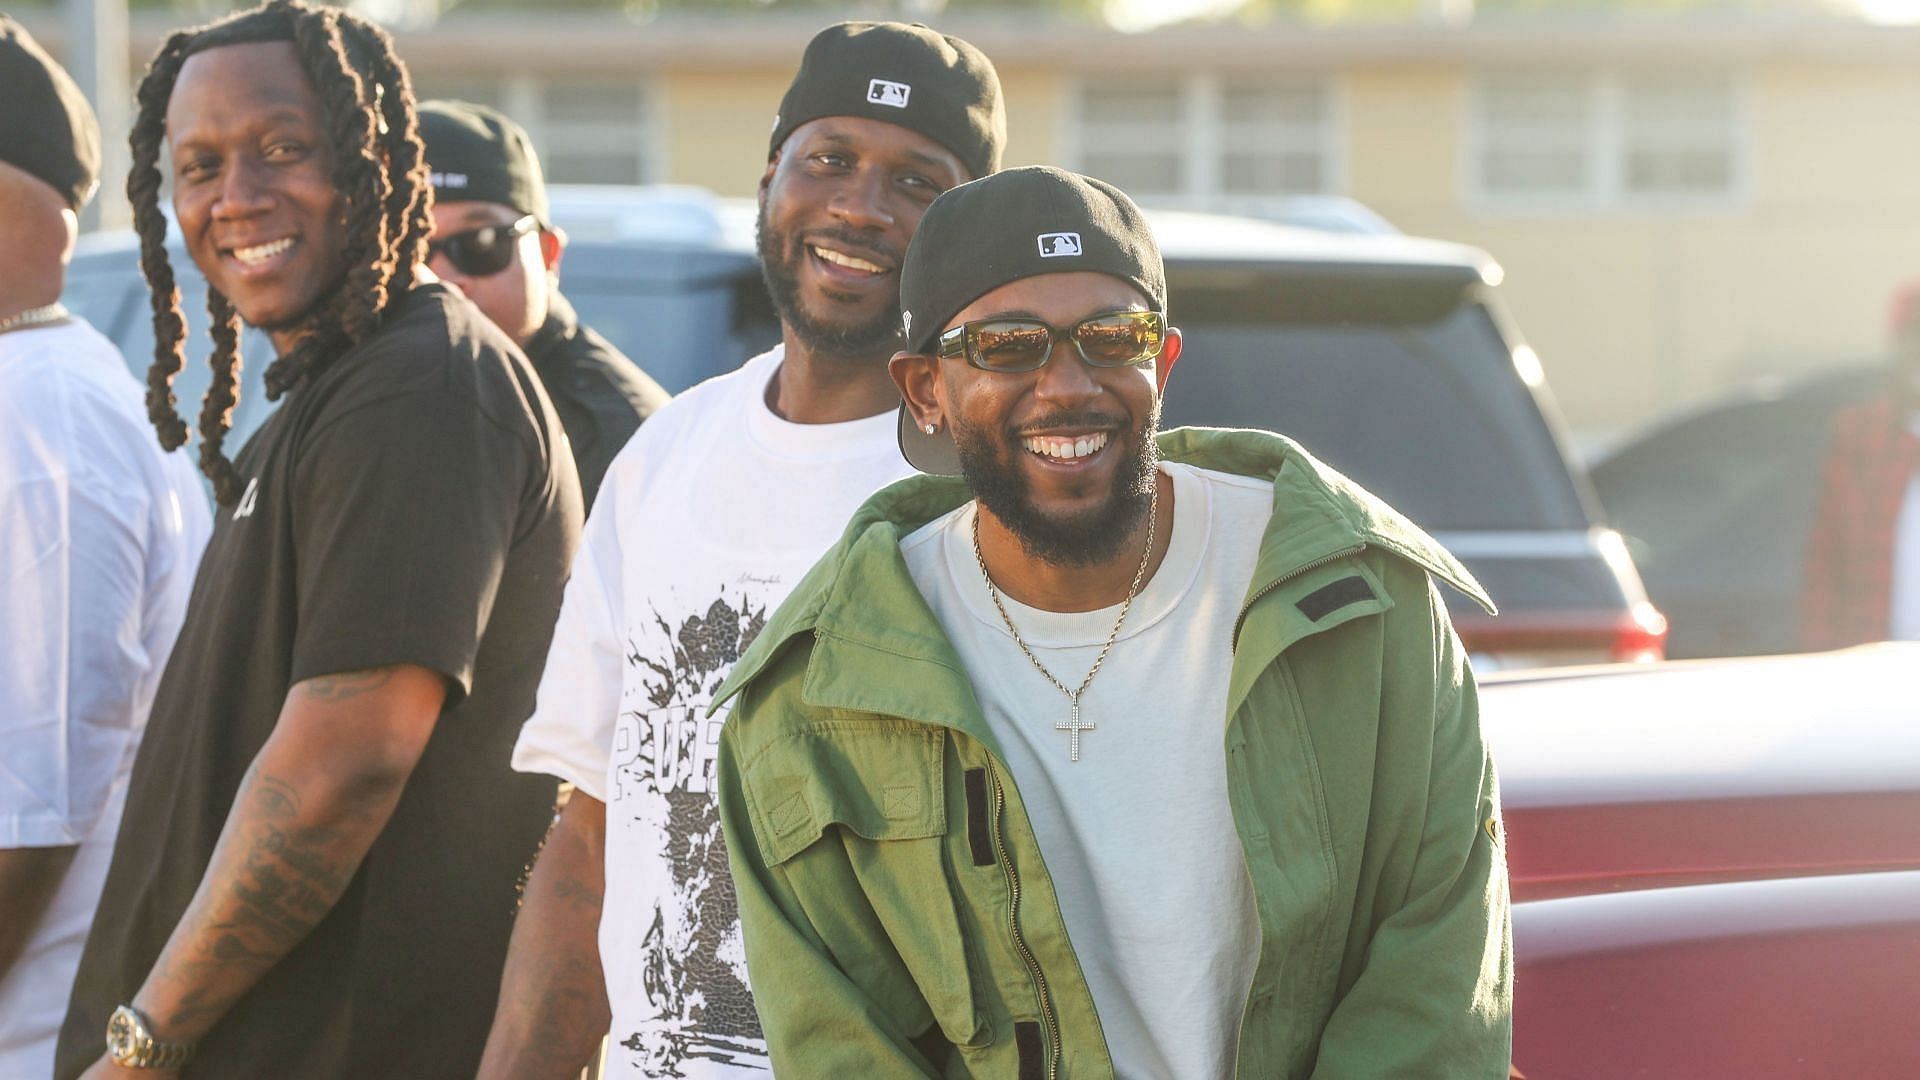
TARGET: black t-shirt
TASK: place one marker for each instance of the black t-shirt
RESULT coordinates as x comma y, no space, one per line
601,396
408,503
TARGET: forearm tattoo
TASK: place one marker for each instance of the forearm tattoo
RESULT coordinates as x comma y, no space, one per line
275,875
346,684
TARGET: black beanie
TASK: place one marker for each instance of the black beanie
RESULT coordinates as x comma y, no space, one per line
937,85
47,128
1017,224
479,154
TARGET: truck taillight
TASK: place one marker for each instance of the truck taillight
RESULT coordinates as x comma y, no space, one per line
1642,637
1542,639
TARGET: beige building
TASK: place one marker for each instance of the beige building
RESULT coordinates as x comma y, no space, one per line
1681,206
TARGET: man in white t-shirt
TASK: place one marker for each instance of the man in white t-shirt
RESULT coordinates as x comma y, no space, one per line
1104,752
707,519
100,533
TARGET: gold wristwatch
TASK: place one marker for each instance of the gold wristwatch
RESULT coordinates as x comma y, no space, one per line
131,1044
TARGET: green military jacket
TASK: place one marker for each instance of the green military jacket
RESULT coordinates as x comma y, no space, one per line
900,921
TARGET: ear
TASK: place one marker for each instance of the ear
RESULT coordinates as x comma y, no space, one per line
766,178
918,377
1169,355
553,245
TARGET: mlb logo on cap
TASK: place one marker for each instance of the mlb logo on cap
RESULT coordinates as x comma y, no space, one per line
882,92
1055,245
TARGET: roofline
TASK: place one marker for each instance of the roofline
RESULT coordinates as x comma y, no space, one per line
775,39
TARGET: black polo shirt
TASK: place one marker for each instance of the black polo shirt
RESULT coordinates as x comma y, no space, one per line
601,396
408,503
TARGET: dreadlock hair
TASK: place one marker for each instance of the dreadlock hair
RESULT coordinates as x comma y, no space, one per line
379,165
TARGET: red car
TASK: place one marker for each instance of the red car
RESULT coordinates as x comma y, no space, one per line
1715,866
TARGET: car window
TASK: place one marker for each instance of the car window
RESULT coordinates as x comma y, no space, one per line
679,332
1716,508
101,299
135,338
1429,415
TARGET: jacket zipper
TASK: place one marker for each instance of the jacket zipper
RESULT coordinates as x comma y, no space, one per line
1049,1022
1240,1025
1239,1030
1316,564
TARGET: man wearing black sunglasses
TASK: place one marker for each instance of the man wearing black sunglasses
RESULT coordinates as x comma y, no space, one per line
494,239
1104,751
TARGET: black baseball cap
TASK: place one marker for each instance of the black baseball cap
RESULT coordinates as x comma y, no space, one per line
47,129
1016,224
910,75
479,154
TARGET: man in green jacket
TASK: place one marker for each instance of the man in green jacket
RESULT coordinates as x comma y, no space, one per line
1126,753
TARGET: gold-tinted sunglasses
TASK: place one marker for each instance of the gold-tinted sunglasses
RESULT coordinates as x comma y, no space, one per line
1113,340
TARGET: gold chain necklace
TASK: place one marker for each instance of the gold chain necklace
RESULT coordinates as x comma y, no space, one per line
1073,725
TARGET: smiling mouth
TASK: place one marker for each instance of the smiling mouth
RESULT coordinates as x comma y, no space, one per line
260,253
1063,448
845,260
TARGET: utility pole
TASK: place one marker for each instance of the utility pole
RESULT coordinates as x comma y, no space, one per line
97,60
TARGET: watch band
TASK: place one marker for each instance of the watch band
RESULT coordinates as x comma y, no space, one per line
131,1043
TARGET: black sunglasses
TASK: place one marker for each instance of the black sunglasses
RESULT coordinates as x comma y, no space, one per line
1116,339
483,251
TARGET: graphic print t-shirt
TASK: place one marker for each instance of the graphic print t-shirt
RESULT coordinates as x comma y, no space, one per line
706,521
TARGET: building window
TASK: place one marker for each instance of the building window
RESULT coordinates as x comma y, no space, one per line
1216,142
1586,140
587,129
595,131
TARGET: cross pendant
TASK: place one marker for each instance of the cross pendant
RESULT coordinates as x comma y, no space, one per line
1073,726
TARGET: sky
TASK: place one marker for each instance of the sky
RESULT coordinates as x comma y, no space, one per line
1890,11
1147,14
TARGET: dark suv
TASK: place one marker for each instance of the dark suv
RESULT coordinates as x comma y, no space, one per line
1385,355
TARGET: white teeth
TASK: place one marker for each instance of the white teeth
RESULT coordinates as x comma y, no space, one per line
1065,449
849,261
263,252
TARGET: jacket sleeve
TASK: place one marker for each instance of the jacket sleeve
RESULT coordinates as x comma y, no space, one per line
817,1020
1435,995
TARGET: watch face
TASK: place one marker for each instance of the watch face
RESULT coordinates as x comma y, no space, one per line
123,1033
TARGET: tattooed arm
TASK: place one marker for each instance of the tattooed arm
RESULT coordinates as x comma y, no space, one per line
553,999
308,810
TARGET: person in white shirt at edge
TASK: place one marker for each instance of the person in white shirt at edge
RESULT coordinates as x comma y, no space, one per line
100,532
707,519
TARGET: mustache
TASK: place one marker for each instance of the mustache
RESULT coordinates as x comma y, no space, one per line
852,239
1069,418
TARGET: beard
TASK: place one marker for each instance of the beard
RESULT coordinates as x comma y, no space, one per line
1083,539
780,260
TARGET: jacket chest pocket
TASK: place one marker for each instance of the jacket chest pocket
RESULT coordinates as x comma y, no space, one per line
853,813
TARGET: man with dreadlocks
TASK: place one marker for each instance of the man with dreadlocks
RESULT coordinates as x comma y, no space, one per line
707,520
322,843
99,536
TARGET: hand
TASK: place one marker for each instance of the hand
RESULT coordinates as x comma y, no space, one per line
105,1069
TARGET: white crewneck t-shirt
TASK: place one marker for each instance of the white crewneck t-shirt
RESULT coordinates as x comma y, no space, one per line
705,522
1137,835
100,535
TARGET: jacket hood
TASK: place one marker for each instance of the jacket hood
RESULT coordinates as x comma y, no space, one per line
1318,515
